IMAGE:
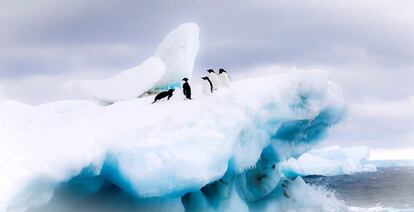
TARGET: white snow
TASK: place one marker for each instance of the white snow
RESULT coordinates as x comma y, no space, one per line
167,148
129,84
178,51
330,161
173,60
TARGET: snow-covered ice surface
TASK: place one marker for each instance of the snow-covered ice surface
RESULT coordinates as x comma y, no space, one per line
329,162
237,137
127,85
178,51
173,60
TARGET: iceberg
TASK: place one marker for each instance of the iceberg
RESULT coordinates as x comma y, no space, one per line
173,60
128,84
221,152
178,52
330,161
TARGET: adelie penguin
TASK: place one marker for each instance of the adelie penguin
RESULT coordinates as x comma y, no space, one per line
186,89
207,86
213,78
224,78
164,94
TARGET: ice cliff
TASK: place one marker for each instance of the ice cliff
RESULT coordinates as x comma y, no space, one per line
218,153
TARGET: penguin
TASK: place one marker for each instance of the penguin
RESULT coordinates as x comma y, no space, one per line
207,86
186,89
224,78
164,94
214,79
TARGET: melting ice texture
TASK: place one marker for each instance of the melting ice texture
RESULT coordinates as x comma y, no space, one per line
211,153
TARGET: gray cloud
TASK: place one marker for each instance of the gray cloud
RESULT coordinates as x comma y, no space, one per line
368,46
382,124
54,37
234,33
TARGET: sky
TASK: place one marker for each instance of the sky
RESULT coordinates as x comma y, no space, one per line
367,47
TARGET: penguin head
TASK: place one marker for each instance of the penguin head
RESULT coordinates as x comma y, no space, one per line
204,78
171,90
185,79
211,71
222,71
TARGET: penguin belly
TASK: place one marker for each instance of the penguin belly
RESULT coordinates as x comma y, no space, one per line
206,88
224,80
214,80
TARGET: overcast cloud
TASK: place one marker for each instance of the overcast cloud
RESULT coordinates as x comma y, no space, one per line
368,46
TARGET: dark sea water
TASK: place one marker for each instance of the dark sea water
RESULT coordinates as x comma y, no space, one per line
389,187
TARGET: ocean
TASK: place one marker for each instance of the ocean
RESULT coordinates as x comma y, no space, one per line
389,187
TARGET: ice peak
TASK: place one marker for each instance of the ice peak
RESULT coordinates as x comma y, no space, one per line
178,51
173,60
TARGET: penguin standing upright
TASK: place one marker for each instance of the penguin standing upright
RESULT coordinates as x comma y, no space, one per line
224,78
207,86
186,89
214,79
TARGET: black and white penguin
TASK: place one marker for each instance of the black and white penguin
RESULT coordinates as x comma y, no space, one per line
164,94
214,79
186,89
207,86
224,78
